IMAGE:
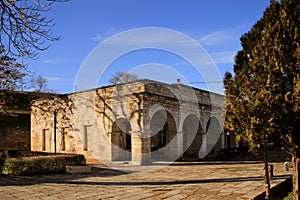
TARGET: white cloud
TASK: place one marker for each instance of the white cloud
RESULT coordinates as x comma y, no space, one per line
218,38
223,57
97,38
55,79
221,38
158,38
55,61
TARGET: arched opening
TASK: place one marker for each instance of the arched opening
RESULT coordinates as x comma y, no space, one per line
213,131
192,137
121,140
163,130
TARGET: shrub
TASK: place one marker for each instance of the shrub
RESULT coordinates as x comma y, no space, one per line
2,160
41,164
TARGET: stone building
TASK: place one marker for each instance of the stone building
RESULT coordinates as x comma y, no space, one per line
138,122
15,119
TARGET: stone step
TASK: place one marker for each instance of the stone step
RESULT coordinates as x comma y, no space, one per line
78,169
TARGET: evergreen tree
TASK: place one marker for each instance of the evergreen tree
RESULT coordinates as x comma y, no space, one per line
263,95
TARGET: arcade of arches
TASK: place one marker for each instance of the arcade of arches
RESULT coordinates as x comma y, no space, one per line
140,122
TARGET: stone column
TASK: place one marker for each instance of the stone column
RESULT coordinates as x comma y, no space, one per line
180,144
223,135
202,152
115,146
141,147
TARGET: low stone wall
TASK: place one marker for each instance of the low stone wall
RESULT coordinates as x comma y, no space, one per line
15,138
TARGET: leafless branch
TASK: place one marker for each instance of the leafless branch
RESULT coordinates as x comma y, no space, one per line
24,28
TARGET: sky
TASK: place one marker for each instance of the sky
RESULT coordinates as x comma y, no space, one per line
87,26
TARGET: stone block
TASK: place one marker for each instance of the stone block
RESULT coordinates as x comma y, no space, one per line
78,169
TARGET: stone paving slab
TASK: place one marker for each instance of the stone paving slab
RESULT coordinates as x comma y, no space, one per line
177,181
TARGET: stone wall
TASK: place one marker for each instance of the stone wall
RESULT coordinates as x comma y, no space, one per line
15,131
17,138
15,118
88,122
59,137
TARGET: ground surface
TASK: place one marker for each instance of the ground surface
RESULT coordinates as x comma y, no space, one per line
194,180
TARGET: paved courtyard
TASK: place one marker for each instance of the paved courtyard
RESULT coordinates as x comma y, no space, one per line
197,180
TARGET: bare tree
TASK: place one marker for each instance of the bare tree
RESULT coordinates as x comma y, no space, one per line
24,31
39,84
123,77
24,28
11,72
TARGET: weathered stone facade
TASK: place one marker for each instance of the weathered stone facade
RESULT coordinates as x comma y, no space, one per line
138,122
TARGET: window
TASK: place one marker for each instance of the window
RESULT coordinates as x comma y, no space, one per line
44,139
85,137
63,139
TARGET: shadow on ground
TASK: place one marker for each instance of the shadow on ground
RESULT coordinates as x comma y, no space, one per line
274,155
74,179
58,178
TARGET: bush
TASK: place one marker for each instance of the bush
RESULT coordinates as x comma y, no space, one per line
2,160
289,197
10,153
41,164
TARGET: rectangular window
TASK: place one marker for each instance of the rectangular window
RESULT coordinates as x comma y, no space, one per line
44,139
85,137
63,139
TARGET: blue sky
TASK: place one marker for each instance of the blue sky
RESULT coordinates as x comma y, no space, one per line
215,24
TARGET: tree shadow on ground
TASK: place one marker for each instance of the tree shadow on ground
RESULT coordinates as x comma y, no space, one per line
6,180
108,172
75,179
179,182
274,155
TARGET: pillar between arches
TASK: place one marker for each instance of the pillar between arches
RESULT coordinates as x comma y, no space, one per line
141,147
180,144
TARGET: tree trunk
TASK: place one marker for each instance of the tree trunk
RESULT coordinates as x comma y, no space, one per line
296,162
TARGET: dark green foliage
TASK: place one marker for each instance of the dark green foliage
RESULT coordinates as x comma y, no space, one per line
19,101
23,153
2,160
41,164
21,120
263,97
